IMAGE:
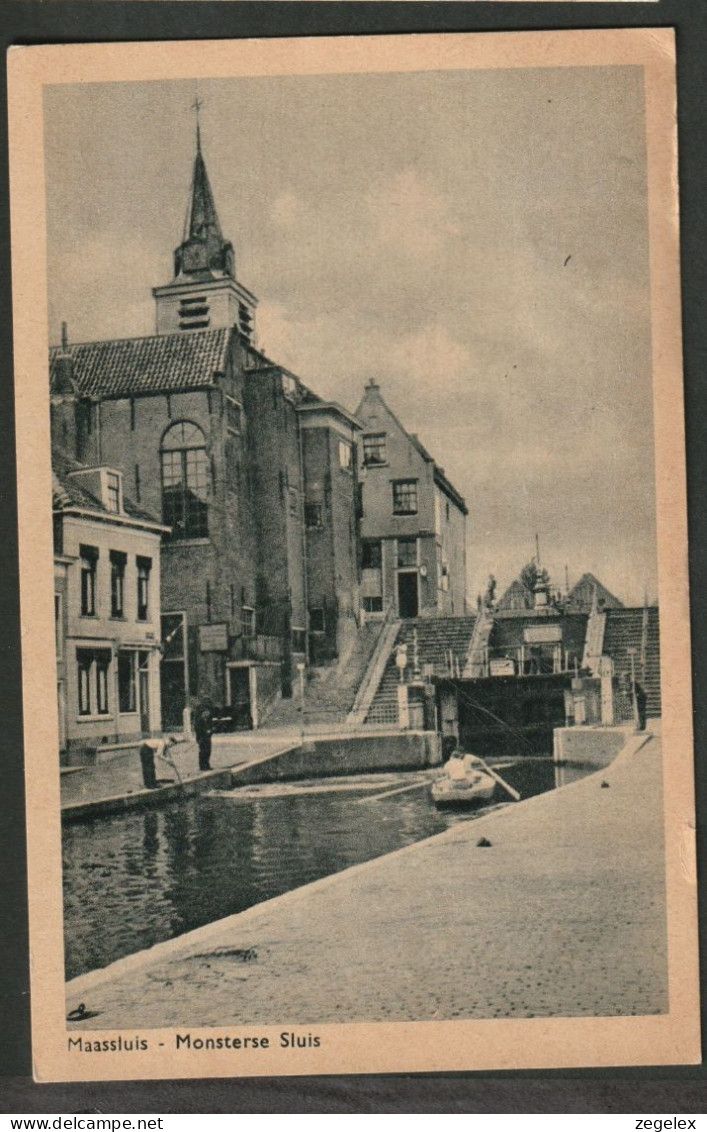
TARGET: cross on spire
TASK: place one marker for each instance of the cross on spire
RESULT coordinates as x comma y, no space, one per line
196,107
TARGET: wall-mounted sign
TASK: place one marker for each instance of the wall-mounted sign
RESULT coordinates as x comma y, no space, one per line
213,638
542,634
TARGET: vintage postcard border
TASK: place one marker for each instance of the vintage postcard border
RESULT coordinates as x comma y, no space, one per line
357,1048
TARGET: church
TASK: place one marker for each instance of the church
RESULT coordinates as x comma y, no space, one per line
255,477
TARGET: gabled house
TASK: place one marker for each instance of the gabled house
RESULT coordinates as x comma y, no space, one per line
413,521
107,609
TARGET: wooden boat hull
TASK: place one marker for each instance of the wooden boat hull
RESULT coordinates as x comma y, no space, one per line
448,793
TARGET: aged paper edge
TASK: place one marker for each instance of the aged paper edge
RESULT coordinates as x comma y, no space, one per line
352,1048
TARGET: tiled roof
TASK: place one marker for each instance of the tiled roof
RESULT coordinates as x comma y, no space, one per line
588,588
123,367
69,492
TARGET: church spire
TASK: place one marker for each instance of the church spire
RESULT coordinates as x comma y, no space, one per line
203,253
204,293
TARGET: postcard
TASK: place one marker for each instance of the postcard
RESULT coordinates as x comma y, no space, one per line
353,551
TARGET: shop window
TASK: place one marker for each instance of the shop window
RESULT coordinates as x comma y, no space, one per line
404,497
371,554
374,449
127,698
85,664
89,570
407,552
102,667
93,681
144,568
185,481
117,583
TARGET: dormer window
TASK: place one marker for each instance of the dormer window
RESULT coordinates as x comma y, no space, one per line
289,386
114,492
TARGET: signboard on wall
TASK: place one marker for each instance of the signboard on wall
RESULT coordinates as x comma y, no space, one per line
213,638
542,634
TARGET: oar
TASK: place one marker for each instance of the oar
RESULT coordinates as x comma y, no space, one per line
389,793
501,781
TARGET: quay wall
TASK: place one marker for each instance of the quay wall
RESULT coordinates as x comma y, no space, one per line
589,746
327,756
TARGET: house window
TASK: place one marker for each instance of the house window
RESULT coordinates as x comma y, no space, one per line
407,552
298,640
371,554
89,567
313,515
405,497
93,669
293,497
234,415
248,621
316,621
374,450
345,455
373,604
144,566
113,492
447,512
127,701
117,583
185,481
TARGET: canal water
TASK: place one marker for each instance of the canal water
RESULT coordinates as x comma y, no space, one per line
136,879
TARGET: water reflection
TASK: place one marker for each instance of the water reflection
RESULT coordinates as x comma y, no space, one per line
135,879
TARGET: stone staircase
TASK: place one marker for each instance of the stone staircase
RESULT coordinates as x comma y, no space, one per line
478,645
638,629
437,637
330,691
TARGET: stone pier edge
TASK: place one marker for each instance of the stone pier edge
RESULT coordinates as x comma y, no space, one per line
191,943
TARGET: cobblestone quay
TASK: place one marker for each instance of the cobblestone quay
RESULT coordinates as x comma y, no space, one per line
562,915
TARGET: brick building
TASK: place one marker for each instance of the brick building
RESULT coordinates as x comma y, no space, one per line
254,476
413,525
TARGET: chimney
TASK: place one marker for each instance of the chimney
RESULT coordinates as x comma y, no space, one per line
63,377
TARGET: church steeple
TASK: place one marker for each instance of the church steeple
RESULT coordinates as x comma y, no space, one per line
204,292
203,253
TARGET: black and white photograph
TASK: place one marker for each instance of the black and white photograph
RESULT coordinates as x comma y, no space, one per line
349,404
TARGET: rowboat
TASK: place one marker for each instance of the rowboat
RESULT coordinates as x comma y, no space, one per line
466,782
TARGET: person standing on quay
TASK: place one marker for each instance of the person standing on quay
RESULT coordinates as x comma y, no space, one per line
203,724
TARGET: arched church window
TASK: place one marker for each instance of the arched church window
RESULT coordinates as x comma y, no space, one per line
185,481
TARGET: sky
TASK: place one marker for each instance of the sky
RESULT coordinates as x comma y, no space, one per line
475,241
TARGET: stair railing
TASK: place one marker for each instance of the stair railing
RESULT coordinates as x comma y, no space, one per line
376,667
